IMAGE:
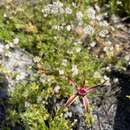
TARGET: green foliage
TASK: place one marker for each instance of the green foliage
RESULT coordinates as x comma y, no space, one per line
51,39
117,6
128,97
28,108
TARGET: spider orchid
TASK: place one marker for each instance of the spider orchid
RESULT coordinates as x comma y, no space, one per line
82,92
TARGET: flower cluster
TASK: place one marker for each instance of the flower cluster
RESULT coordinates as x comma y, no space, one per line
56,8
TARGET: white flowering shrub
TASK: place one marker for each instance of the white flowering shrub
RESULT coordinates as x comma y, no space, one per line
53,32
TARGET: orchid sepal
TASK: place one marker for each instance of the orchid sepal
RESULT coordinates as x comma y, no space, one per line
71,100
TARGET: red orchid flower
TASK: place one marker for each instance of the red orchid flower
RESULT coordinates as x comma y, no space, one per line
82,91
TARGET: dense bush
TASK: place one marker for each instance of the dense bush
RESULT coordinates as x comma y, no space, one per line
54,33
47,32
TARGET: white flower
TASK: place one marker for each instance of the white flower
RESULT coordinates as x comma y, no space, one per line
50,78
97,75
108,83
56,89
5,15
68,27
108,49
91,13
115,80
111,48
16,40
61,11
103,23
43,102
58,4
61,72
105,14
46,10
8,54
78,49
45,15
74,4
70,51
119,2
102,80
68,114
55,8
36,59
39,99
75,120
27,104
79,15
117,47
109,43
89,30
64,62
127,57
7,46
57,27
43,78
108,68
77,42
105,49
120,26
68,10
55,37
74,70
97,8
99,17
103,33
21,76
43,10
93,44
106,78
115,18
11,44
1,48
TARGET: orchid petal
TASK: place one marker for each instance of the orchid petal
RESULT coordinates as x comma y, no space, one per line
73,83
71,100
85,103
90,90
